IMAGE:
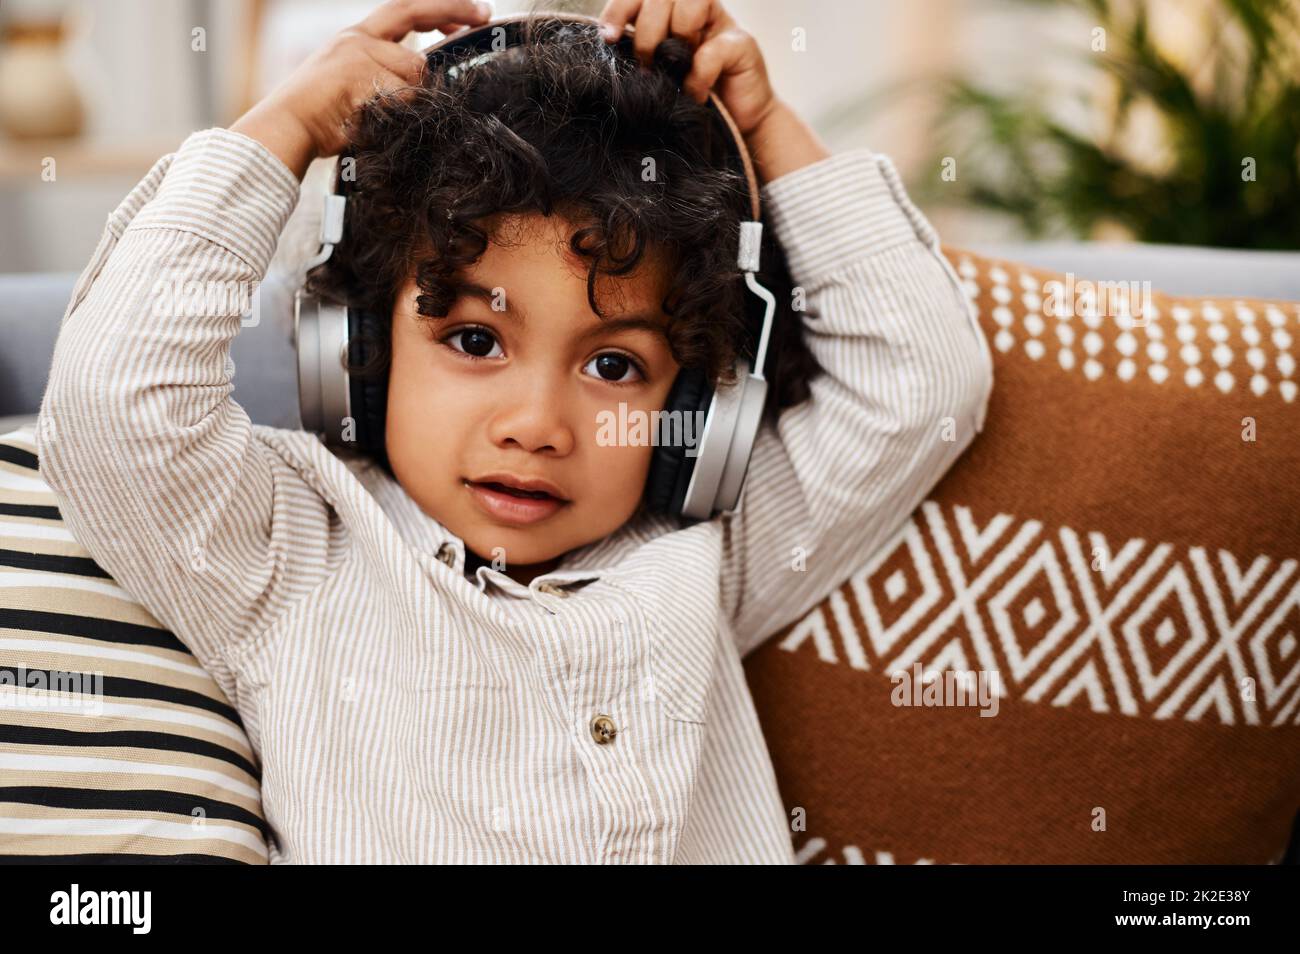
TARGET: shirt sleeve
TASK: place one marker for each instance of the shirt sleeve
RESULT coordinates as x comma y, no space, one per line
908,374
158,470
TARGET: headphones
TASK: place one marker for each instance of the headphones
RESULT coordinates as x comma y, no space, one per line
349,410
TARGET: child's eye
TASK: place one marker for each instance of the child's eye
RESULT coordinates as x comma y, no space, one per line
476,343
616,365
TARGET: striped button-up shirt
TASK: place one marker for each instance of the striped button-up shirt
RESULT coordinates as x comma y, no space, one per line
405,710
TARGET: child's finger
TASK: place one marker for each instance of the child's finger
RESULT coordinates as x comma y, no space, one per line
690,20
651,27
394,19
396,58
615,17
711,60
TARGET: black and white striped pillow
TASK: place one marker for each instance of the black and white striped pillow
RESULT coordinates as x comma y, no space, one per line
115,745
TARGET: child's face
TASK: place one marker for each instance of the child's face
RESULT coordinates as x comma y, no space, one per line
529,405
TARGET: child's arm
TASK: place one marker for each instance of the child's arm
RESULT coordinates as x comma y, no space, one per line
159,473
908,377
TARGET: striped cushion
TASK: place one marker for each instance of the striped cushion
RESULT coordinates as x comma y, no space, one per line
115,745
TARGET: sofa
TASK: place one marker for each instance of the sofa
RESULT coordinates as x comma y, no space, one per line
1119,547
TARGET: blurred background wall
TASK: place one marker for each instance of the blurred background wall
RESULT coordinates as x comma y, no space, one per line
948,88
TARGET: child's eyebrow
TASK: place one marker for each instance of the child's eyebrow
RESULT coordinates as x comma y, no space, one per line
633,322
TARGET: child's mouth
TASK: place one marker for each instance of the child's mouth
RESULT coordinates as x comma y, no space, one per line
515,492
512,505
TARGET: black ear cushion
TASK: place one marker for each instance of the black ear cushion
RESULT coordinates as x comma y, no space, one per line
670,468
369,394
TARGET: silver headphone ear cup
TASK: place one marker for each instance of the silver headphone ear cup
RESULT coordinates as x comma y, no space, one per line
749,420
320,337
715,446
335,388
306,342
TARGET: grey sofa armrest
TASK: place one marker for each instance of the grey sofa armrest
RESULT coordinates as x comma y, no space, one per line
32,306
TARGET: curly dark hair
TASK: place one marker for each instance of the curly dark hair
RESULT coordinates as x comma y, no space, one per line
562,123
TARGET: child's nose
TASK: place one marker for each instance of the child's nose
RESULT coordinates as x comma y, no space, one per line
535,422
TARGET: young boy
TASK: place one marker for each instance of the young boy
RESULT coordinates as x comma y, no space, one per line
410,698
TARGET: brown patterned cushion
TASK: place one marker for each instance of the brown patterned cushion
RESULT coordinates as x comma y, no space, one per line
1120,547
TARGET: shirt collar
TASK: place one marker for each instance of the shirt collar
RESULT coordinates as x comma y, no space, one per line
558,577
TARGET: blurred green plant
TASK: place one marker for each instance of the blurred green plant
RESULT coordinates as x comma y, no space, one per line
1227,172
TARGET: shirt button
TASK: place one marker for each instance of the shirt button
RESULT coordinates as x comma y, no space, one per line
553,590
447,554
603,730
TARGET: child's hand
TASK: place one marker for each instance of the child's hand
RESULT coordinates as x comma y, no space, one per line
725,55
728,61
306,115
